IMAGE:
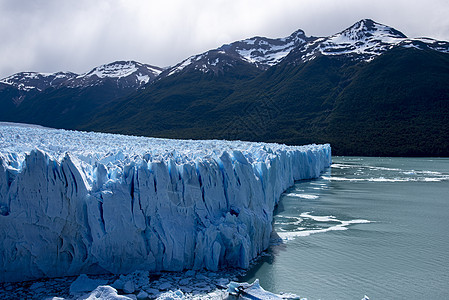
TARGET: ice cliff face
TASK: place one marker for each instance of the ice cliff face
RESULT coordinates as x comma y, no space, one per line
76,202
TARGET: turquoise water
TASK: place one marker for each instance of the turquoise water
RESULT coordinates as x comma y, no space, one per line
370,226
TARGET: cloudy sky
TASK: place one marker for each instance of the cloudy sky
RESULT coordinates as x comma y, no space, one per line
77,35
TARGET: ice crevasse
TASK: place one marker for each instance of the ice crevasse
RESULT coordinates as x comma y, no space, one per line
77,202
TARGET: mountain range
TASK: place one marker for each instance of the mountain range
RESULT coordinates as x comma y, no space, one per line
367,90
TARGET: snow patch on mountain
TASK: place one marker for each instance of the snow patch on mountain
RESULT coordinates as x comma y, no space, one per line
267,52
26,81
125,73
260,52
120,69
114,70
143,79
179,67
77,202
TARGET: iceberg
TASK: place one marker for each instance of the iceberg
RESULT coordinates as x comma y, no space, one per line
247,291
90,203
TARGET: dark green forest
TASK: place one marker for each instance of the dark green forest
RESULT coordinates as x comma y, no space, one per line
396,105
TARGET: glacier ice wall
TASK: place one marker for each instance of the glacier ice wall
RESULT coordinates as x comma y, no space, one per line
77,202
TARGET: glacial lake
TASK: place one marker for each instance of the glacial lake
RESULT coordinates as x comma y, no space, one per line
369,226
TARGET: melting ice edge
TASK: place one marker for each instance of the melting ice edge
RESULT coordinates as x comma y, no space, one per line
77,202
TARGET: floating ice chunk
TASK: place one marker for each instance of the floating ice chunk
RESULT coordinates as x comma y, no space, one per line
304,196
142,295
171,295
84,284
319,218
165,286
106,292
255,291
128,287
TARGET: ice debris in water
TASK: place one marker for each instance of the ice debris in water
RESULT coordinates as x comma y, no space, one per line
191,285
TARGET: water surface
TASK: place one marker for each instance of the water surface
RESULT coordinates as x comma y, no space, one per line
370,226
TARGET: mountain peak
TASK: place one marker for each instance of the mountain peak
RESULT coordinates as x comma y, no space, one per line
27,81
298,34
114,69
120,69
260,52
364,40
367,28
366,24
125,73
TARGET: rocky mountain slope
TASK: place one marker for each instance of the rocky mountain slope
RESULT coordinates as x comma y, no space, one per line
65,99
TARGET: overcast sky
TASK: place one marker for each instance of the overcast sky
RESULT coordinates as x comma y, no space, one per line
77,35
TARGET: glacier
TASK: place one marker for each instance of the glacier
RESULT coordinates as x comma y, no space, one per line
89,203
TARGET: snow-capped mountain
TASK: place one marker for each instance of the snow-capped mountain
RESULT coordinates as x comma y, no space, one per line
126,74
27,81
66,99
260,52
363,41
265,52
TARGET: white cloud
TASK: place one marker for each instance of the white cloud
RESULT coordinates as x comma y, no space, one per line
77,35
